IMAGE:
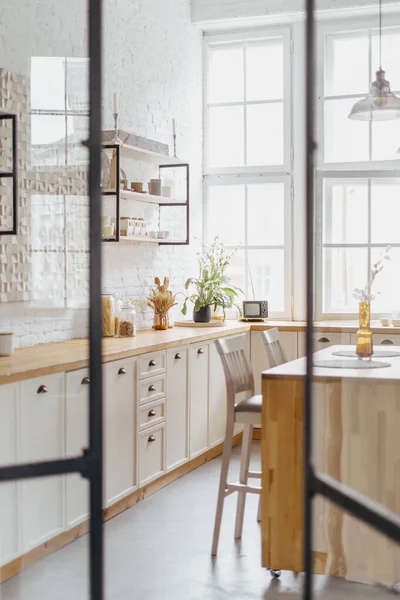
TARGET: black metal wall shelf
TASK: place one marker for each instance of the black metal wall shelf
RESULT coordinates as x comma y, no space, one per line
12,172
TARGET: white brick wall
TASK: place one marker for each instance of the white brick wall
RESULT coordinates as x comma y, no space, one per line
215,10
152,59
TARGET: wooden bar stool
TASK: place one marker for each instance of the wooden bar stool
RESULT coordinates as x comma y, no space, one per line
239,380
275,352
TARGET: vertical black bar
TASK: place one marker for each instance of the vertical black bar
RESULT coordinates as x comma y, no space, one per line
15,173
308,494
187,206
118,190
95,329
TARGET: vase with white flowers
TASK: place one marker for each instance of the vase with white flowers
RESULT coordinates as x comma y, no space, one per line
364,343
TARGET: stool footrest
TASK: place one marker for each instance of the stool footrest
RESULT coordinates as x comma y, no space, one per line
241,487
256,474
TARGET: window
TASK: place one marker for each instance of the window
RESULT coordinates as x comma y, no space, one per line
247,160
59,111
358,183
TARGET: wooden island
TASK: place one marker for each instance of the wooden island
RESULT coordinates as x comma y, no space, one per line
356,416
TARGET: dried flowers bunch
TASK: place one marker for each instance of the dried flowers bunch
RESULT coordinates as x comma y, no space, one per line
161,299
365,294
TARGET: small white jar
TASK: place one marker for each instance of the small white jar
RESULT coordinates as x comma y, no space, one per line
6,343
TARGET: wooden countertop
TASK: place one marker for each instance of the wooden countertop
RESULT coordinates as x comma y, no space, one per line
36,361
296,369
74,354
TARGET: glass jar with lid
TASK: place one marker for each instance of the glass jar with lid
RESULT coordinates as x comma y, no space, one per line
127,320
108,309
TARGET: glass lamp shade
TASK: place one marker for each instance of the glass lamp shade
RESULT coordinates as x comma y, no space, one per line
380,104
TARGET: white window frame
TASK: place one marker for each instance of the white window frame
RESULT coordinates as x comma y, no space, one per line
342,171
286,313
257,174
244,36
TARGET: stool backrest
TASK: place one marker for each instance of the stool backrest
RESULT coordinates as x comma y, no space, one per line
237,369
276,354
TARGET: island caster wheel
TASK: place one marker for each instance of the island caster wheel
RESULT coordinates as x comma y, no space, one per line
275,573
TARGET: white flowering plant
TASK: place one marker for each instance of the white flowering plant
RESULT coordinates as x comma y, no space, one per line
365,294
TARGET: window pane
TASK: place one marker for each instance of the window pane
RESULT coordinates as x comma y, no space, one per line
265,134
48,83
390,57
343,269
48,140
385,213
77,132
225,76
345,140
345,212
387,282
226,145
347,64
266,214
267,277
77,84
226,214
385,140
236,270
264,70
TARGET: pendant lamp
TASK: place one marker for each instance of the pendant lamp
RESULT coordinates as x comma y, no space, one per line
380,104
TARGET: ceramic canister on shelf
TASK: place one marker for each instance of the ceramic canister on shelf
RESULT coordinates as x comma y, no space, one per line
155,187
6,343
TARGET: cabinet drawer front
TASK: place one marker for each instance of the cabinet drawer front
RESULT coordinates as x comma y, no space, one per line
151,454
152,364
381,339
151,414
151,389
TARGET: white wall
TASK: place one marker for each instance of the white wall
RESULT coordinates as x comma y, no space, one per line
152,59
217,10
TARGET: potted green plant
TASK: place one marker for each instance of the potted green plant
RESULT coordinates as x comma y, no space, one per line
212,286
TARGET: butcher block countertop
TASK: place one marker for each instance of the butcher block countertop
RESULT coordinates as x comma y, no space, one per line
36,361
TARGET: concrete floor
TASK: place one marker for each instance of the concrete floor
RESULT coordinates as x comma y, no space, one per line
160,550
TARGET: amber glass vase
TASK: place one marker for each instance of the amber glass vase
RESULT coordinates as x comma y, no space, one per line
364,346
161,321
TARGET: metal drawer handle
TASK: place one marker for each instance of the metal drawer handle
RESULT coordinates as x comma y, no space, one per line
151,439
152,388
387,343
42,389
85,381
152,413
122,371
200,351
323,340
178,356
152,363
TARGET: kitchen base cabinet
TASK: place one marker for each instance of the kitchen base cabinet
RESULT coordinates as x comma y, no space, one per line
76,440
217,398
198,399
9,526
151,454
41,437
381,339
119,429
177,447
322,339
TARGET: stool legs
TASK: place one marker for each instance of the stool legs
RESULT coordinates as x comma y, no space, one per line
222,483
259,510
243,478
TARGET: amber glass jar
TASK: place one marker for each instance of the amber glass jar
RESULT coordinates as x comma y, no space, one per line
364,345
161,321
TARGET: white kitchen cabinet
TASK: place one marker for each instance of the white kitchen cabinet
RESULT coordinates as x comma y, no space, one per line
217,398
41,438
381,339
177,447
322,339
151,454
119,429
198,399
76,439
9,525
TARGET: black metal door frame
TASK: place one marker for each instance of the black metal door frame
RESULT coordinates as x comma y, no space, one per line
358,505
89,464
